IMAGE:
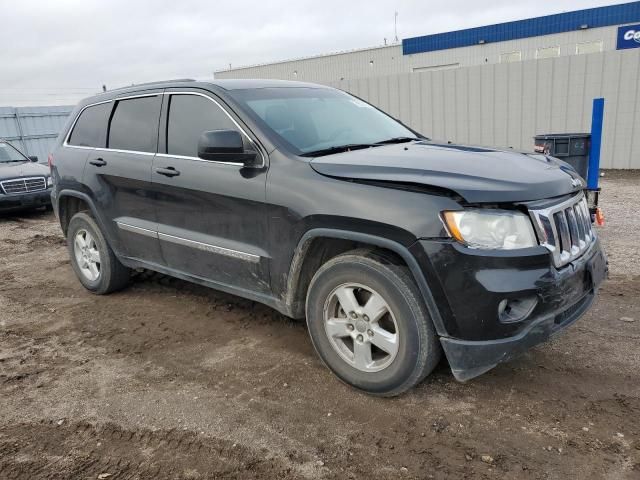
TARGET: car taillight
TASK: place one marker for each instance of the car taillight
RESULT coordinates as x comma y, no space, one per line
50,161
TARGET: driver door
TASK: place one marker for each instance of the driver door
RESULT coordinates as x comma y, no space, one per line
212,219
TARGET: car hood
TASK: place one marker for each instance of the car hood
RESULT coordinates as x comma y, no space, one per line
22,169
477,174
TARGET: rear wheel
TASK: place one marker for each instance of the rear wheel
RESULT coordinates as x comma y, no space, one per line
93,261
369,324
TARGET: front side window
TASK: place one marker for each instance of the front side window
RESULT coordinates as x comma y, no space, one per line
9,154
313,119
134,124
90,129
189,117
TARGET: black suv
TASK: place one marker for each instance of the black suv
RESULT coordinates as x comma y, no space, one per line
309,200
24,183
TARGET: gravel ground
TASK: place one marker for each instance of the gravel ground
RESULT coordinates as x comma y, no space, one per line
170,380
620,200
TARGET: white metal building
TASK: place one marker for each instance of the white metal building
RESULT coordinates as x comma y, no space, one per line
499,84
33,130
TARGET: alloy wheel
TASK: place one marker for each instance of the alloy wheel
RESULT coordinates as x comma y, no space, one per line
87,254
361,327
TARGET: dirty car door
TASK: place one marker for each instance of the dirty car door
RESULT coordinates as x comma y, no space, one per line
212,220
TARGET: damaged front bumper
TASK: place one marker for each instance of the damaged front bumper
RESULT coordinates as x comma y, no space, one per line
475,283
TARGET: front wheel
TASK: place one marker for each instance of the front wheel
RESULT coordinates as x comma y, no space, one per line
93,261
369,324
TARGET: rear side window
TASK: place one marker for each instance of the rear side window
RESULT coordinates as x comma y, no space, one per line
134,124
189,117
91,127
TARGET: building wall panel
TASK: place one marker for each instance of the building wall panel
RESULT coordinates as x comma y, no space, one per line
389,60
506,105
33,129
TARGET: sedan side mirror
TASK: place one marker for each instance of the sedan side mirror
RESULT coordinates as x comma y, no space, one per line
33,158
225,146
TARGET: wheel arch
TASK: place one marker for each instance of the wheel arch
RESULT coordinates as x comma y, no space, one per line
70,202
297,284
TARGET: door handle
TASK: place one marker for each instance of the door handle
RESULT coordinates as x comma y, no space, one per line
98,162
168,172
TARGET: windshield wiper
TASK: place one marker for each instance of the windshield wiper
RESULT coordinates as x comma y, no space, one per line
338,149
356,146
397,140
10,161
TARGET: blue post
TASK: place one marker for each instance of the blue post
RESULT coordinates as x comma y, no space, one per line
596,141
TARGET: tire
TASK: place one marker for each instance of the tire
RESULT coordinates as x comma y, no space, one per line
106,275
403,343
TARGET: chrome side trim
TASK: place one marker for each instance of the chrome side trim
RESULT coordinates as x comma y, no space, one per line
197,159
116,150
137,96
133,229
206,247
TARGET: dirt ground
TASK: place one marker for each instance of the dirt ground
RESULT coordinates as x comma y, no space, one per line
170,380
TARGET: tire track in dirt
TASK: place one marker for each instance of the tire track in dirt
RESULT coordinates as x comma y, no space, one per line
84,450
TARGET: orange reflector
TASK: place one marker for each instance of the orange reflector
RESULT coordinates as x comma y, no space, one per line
449,218
599,217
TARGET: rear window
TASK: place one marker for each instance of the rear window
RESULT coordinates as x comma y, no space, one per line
90,129
134,124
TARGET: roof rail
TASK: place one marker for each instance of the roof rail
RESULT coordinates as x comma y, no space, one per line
160,82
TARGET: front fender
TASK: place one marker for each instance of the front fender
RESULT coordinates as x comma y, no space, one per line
396,247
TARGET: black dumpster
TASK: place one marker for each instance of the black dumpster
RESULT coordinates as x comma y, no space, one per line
573,148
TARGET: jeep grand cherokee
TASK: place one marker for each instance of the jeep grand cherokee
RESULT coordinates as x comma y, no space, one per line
394,247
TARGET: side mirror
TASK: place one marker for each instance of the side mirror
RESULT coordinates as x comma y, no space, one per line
225,146
33,158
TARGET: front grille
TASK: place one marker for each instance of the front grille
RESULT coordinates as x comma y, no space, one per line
23,185
565,229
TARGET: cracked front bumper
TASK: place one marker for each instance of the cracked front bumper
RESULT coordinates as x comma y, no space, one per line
474,283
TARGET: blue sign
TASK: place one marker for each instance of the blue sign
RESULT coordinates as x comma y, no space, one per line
629,37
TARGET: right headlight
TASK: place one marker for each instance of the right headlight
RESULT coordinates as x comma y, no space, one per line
490,228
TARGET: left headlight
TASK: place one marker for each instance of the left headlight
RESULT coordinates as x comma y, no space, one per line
49,182
490,229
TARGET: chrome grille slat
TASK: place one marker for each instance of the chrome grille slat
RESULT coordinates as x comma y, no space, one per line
573,230
580,226
586,219
564,229
23,185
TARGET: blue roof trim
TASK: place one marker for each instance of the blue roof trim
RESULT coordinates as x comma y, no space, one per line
531,27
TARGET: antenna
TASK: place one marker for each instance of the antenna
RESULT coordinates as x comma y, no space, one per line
395,26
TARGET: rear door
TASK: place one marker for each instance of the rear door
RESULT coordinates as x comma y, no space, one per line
88,132
212,220
119,174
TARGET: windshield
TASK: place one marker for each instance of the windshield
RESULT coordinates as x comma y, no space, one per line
317,119
10,154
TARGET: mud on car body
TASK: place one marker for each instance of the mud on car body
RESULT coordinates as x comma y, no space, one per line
394,247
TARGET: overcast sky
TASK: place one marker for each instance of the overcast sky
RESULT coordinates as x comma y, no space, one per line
55,52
